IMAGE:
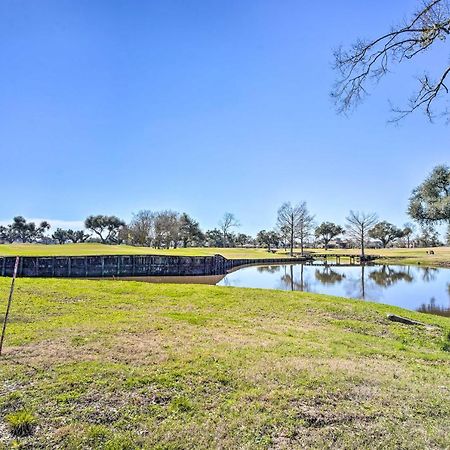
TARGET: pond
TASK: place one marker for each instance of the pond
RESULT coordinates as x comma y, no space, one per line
412,287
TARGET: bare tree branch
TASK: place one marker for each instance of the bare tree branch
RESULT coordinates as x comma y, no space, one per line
366,62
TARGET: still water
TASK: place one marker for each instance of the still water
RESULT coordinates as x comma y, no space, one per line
411,287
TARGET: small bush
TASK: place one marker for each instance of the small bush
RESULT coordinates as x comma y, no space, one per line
21,423
181,404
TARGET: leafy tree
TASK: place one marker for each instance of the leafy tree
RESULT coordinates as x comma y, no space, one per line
60,236
214,238
327,231
242,239
430,202
4,234
366,62
105,227
358,226
408,230
267,239
428,237
23,231
385,232
190,232
77,236
228,222
20,229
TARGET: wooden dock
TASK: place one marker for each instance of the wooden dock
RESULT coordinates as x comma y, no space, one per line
338,257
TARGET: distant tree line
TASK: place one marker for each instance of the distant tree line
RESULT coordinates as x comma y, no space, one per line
22,231
295,228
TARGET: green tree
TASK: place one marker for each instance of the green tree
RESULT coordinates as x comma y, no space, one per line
242,239
105,227
429,203
214,238
385,232
4,234
327,231
428,237
267,239
60,236
77,236
190,232
23,231
408,230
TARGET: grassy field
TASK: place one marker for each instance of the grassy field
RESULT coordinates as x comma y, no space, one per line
441,255
122,365
100,249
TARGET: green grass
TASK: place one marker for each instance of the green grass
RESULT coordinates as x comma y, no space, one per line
20,423
122,365
392,256
101,249
441,255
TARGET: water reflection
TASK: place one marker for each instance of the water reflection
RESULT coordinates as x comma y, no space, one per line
328,276
433,308
268,269
429,274
413,287
387,276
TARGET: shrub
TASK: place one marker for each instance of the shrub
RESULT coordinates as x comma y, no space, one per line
21,423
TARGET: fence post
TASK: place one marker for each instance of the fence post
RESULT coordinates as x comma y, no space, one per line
8,307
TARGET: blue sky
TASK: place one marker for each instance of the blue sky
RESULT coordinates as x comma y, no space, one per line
109,107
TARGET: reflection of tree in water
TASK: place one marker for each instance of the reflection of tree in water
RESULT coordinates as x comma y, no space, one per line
432,308
226,282
429,274
290,282
268,269
328,276
361,287
387,276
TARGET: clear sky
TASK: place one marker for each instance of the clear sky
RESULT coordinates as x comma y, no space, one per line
109,107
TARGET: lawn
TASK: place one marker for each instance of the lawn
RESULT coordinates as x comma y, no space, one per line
123,365
101,249
441,255
394,256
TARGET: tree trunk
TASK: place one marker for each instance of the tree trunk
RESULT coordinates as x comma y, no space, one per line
292,241
363,284
362,245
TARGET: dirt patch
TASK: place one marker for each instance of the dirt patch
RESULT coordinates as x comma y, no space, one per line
126,348
139,348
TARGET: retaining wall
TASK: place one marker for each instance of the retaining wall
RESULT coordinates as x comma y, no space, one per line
124,265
